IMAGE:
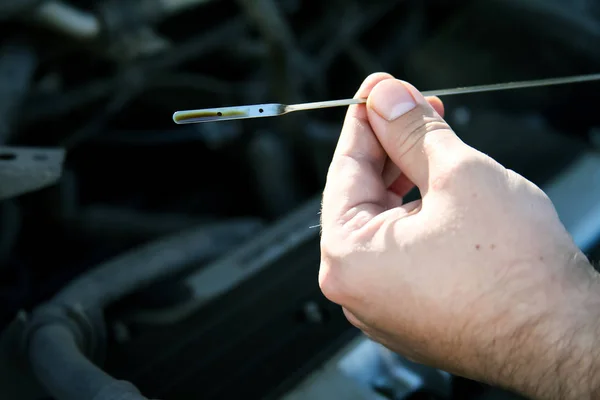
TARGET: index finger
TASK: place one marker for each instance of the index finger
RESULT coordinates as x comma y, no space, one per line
354,190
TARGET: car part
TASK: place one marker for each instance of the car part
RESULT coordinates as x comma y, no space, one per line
24,169
273,110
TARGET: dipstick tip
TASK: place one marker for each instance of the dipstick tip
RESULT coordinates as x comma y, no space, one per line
175,119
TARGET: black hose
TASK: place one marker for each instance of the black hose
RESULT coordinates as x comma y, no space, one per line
67,374
142,266
64,332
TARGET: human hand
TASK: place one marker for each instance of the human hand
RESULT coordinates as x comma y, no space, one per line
479,278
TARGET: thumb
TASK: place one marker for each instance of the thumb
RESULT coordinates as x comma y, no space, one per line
415,137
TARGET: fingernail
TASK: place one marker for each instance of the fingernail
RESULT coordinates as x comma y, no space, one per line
392,99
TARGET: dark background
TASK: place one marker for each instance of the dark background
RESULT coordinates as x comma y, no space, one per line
105,92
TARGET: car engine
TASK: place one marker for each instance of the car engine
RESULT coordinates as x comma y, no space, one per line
140,259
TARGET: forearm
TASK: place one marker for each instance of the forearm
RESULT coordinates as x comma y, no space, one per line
559,364
555,355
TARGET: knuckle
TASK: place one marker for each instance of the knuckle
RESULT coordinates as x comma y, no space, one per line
333,251
336,255
341,257
329,282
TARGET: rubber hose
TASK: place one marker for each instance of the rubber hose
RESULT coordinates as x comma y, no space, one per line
144,265
54,342
67,374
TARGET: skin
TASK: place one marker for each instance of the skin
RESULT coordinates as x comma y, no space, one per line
479,278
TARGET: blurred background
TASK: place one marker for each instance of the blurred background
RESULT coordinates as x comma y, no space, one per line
141,259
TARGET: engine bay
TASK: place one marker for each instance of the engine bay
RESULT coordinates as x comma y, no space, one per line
143,259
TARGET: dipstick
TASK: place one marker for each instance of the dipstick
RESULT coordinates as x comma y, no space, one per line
274,109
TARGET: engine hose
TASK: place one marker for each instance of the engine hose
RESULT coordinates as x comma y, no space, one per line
65,336
76,378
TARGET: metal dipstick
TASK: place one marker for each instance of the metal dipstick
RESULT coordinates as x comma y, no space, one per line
273,109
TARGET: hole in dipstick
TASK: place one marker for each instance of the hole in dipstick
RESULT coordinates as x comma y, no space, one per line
7,156
260,110
219,114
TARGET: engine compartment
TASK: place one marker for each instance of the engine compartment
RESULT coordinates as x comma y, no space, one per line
210,231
